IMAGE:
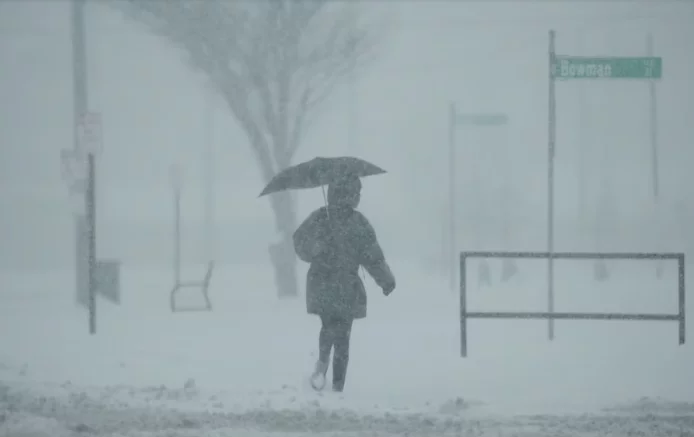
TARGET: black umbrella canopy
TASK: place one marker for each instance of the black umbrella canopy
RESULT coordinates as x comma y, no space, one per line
320,171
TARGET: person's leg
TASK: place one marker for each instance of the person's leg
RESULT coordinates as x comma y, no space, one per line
326,338
325,344
343,331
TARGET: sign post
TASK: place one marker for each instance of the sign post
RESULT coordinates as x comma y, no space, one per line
655,176
89,143
78,167
78,170
551,139
455,120
563,67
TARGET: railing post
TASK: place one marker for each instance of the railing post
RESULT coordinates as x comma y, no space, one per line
681,286
463,304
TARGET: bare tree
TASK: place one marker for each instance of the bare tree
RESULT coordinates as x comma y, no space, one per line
273,62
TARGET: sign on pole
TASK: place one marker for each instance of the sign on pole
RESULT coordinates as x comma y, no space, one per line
460,119
579,67
89,133
582,67
107,276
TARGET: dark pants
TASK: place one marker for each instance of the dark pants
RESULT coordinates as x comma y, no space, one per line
335,332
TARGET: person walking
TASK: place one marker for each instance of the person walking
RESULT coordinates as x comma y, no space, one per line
336,240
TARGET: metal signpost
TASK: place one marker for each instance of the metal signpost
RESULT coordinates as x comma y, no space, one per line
455,120
78,164
81,184
83,235
653,128
580,67
566,67
89,141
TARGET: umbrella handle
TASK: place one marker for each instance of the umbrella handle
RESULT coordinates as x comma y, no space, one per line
325,200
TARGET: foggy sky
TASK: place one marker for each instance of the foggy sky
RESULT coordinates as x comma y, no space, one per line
484,56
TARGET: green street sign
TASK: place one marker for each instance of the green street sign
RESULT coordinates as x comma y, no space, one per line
578,67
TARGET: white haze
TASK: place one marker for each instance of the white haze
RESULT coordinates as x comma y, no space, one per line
484,56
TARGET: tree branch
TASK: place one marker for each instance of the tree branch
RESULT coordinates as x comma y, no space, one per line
298,125
273,61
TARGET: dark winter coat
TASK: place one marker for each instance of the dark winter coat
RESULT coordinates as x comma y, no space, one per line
336,240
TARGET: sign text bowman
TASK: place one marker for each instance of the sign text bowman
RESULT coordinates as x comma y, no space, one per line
577,67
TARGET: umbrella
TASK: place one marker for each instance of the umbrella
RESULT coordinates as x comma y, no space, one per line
320,171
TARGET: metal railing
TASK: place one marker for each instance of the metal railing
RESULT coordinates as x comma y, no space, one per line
551,315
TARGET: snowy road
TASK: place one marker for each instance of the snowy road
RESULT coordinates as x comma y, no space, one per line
119,412
73,412
240,370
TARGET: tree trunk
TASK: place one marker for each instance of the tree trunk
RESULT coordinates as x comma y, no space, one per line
282,252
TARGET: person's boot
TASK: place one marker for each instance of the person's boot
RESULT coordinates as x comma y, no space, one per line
318,376
338,385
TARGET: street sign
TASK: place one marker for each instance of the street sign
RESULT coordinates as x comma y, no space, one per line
108,280
482,119
578,67
89,133
107,283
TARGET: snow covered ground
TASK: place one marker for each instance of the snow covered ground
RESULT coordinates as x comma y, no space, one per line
241,370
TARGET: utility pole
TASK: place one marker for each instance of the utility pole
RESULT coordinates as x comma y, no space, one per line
85,229
352,104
